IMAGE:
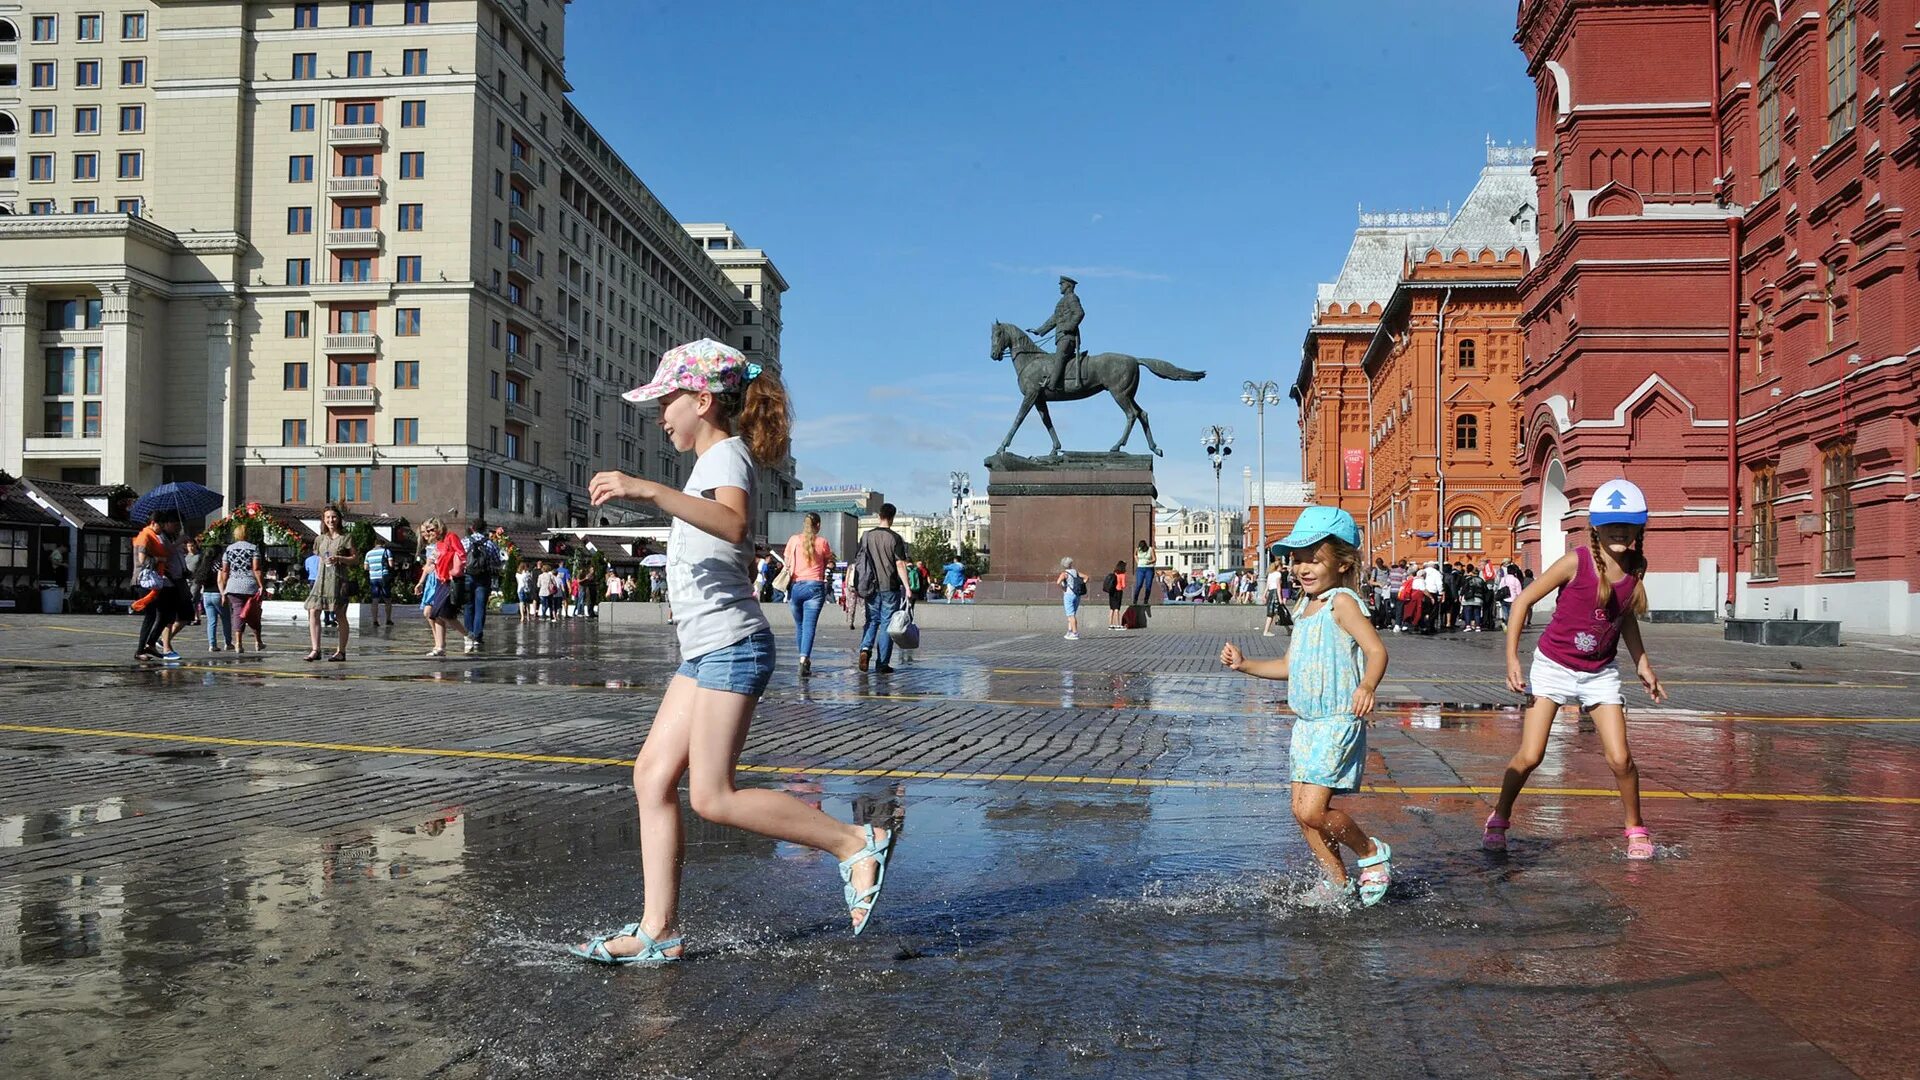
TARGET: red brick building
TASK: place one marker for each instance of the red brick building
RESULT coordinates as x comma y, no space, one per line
1722,188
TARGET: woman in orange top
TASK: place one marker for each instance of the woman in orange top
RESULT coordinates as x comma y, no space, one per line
808,557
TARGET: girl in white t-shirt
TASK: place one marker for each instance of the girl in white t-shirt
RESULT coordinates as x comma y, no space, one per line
731,413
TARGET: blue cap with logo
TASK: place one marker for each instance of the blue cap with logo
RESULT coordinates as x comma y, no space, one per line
1317,523
1617,502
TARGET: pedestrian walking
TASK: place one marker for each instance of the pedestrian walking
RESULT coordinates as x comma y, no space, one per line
1602,592
443,572
379,560
241,582
328,592
1334,663
483,568
1510,589
1276,604
880,577
527,591
213,604
806,558
1143,568
153,561
1073,586
1116,589
192,560
731,413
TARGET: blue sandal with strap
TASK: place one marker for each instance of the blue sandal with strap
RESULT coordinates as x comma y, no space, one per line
1376,872
859,900
651,951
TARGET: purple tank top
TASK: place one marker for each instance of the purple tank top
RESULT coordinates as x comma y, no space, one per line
1581,636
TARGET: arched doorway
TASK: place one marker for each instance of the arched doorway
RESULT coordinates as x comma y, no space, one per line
1553,511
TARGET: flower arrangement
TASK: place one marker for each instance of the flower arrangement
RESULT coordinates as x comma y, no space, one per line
503,590
262,528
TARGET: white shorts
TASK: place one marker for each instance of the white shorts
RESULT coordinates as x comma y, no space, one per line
1557,682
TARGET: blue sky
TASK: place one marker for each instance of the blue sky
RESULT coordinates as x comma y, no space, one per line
919,171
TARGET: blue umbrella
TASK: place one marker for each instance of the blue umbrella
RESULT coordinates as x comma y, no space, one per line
190,499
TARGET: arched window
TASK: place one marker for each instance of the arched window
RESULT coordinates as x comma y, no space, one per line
8,32
1843,103
1769,110
1463,532
1466,432
7,125
1466,357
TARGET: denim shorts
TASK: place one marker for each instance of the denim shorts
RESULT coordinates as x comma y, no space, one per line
744,667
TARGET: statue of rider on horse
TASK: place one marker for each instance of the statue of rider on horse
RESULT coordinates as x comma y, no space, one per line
1042,374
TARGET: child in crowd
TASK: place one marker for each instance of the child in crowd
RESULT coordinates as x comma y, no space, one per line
1602,589
731,413
1330,695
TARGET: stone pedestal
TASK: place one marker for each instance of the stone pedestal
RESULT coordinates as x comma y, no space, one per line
1094,508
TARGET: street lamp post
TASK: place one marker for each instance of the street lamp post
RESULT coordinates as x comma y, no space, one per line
962,487
1259,395
1218,441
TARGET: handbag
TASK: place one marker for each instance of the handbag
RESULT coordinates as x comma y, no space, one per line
902,630
783,581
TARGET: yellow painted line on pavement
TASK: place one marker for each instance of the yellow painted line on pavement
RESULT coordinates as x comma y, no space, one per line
943,775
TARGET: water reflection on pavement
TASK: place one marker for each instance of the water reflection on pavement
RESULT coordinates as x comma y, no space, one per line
233,909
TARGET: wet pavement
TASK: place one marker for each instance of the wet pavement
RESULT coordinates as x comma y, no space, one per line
244,866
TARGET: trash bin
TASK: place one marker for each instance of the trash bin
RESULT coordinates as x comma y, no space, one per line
53,598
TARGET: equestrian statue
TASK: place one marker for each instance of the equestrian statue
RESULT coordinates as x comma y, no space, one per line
1072,375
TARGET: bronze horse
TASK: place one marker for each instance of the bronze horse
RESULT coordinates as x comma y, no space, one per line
1116,373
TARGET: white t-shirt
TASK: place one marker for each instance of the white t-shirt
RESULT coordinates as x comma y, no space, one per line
709,581
1273,582
524,579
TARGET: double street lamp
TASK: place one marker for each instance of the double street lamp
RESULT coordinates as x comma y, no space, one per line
1218,442
1259,395
962,487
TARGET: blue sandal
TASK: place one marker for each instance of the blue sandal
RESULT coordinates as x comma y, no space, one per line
1376,872
651,951
857,900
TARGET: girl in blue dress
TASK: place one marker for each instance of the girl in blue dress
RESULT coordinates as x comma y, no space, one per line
1334,662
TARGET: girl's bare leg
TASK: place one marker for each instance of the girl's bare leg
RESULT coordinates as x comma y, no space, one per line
719,730
1611,722
1324,828
1533,747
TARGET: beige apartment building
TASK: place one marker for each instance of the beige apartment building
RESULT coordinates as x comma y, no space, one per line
360,251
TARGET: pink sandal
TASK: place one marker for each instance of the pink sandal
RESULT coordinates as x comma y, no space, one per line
1639,842
1496,835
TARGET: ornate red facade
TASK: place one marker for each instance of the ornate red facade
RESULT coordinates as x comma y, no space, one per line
1723,189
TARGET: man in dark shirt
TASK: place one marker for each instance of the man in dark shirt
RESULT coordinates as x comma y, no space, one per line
880,578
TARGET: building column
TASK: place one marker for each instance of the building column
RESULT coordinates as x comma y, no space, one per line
17,414
222,440
125,392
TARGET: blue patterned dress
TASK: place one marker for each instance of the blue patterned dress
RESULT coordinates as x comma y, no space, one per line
1329,747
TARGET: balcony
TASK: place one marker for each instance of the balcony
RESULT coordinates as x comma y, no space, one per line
519,361
525,170
10,52
347,452
357,135
347,395
56,445
519,412
355,187
350,343
520,216
353,238
519,267
10,142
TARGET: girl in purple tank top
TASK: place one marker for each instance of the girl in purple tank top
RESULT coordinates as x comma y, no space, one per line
1602,592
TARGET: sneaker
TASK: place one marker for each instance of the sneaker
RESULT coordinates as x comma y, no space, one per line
883,669
472,646
806,668
1071,637
436,652
1266,633
169,655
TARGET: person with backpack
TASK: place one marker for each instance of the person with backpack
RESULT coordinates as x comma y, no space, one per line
1073,586
483,563
880,577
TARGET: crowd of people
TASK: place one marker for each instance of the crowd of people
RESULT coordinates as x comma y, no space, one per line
1458,596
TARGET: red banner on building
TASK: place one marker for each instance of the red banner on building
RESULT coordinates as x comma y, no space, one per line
1356,469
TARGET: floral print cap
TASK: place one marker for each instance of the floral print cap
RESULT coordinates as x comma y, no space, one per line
696,366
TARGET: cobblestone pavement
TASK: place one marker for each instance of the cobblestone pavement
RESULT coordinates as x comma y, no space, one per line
244,865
